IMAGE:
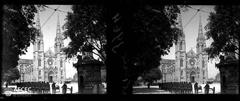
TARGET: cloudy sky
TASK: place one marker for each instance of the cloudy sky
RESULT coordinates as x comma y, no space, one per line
191,31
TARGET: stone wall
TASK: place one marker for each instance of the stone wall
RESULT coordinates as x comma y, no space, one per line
229,75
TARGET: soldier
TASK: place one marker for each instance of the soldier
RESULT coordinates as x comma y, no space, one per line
148,84
196,88
175,87
160,85
206,88
64,88
40,87
185,87
189,87
181,88
53,88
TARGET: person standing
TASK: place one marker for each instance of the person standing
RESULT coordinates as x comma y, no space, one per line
64,88
148,84
196,88
6,84
206,88
53,88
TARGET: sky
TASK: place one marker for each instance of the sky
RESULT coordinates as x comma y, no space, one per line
190,31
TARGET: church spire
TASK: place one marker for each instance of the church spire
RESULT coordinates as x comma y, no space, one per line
180,21
182,37
39,24
58,31
58,39
58,27
200,39
200,31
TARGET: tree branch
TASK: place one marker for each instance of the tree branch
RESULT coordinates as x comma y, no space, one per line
100,56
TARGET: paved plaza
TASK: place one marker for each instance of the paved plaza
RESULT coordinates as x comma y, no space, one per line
136,90
156,90
151,90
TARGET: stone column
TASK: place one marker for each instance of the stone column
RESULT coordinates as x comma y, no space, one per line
50,84
229,75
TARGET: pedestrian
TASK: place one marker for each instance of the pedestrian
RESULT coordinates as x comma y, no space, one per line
206,88
159,85
53,88
196,88
148,84
189,87
64,88
6,84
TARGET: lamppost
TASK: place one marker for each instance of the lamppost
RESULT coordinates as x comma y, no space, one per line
23,73
20,70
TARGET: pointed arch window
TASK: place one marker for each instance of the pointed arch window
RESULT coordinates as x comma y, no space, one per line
181,45
39,45
203,73
39,62
61,63
203,63
181,62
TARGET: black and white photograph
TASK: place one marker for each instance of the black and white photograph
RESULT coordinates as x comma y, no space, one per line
125,49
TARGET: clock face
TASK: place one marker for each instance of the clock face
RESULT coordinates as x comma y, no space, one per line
50,61
192,61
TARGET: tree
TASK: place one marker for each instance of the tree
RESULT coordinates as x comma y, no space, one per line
138,34
18,32
135,36
86,29
11,74
152,75
223,27
74,77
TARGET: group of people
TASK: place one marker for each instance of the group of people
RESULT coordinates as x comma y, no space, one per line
54,87
206,88
184,87
40,87
177,87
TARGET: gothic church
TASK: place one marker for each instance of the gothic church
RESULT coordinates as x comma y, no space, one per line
46,66
188,66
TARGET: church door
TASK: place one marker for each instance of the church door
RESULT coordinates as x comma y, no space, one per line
50,76
192,76
192,79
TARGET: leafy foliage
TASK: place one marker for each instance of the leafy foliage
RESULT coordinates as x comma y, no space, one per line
223,27
144,33
151,34
18,32
148,32
11,74
86,29
152,75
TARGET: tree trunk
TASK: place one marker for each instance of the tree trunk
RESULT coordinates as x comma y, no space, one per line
128,87
113,61
149,85
117,15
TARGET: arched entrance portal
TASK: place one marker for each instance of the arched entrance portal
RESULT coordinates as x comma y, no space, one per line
50,76
192,76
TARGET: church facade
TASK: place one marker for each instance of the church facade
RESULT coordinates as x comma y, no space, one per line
46,66
188,66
